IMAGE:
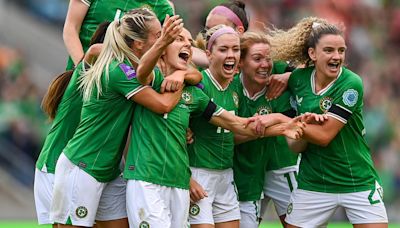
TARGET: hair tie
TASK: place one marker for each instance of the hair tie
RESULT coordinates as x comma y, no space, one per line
315,25
218,33
228,13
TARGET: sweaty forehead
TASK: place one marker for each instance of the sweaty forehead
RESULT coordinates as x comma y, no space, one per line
331,40
186,33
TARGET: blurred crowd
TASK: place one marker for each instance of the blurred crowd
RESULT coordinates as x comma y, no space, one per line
373,40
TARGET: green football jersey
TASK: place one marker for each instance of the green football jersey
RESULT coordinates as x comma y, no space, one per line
158,150
345,165
64,124
109,10
100,138
253,158
213,146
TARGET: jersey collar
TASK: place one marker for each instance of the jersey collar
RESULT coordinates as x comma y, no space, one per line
214,81
322,91
246,92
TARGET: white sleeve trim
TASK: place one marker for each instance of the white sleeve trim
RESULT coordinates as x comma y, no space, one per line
86,2
344,108
218,112
333,115
135,91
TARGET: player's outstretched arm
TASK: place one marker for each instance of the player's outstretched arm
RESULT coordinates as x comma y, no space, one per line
76,14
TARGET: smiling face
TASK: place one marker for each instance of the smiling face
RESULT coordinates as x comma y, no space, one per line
257,64
224,56
179,53
328,55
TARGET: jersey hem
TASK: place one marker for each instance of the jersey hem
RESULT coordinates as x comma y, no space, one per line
153,181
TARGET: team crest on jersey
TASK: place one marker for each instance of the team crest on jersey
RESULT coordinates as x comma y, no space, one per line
350,97
128,71
194,210
144,224
264,110
289,209
235,99
81,212
325,104
187,97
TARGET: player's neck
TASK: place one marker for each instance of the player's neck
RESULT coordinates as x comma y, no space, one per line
252,87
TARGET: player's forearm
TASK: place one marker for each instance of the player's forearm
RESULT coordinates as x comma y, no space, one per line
296,145
148,62
233,123
193,76
73,44
317,134
239,139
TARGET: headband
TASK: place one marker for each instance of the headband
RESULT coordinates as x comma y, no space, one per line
218,33
228,13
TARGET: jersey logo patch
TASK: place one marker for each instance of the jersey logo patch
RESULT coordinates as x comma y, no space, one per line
187,97
194,210
128,71
263,110
81,212
350,97
299,100
325,104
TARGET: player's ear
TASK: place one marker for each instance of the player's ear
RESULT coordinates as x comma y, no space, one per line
311,54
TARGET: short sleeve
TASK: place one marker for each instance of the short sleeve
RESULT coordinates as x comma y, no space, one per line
348,100
200,101
122,79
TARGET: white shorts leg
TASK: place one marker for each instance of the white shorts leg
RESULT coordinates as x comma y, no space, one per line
76,194
112,205
311,209
278,187
222,204
249,214
365,207
43,192
152,205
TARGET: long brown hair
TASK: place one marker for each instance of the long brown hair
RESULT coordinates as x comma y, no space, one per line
57,87
55,92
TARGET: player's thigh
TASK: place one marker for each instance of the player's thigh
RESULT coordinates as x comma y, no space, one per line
311,209
76,194
365,207
249,214
226,204
111,211
146,206
43,192
278,187
179,205
201,212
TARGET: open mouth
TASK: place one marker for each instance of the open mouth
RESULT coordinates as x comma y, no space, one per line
184,55
263,73
333,66
229,65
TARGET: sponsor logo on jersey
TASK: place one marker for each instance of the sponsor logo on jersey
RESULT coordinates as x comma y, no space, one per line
194,210
144,224
263,110
325,104
187,97
299,100
81,212
128,71
350,97
289,209
235,99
